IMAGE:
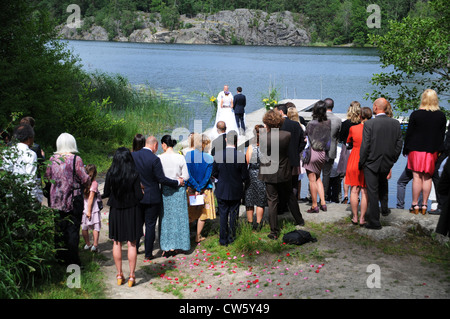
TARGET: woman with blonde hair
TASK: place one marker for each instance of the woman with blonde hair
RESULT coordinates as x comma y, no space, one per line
292,114
199,164
353,118
424,140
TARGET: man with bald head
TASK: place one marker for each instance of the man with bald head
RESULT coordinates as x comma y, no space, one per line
150,170
380,148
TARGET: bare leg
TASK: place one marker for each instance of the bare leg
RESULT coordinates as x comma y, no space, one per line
354,202
85,234
426,188
364,204
320,190
259,214
250,211
313,188
117,255
416,188
95,234
200,225
132,257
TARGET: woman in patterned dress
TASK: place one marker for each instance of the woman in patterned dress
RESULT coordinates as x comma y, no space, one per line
255,194
175,220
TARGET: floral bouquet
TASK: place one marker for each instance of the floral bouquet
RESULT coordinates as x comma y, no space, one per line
213,100
270,101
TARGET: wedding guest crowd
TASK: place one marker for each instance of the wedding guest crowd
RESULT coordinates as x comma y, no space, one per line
180,190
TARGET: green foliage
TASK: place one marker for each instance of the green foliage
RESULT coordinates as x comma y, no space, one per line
418,52
329,21
169,16
26,235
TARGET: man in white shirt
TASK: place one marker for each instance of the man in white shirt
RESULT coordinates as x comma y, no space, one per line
21,160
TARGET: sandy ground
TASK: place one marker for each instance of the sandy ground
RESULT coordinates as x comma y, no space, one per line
346,270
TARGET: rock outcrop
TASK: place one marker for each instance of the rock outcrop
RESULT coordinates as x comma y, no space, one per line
241,26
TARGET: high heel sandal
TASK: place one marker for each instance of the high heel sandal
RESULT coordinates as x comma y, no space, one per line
313,210
131,281
120,279
414,209
424,210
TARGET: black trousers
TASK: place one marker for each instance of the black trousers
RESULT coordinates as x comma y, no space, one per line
228,216
67,237
377,191
151,214
279,193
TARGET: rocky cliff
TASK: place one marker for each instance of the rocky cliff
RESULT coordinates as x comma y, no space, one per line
241,26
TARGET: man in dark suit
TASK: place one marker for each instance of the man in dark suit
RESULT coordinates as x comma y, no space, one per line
296,145
239,102
380,148
218,144
276,170
151,173
231,173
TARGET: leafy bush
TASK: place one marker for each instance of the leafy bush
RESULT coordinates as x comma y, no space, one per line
26,236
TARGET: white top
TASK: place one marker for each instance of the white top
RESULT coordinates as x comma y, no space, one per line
23,161
174,165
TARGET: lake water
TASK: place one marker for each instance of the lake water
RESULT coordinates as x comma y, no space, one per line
182,71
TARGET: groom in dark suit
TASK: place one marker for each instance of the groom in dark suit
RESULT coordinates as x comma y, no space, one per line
239,102
151,173
230,171
380,148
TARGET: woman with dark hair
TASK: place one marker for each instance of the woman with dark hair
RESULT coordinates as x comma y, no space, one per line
318,132
175,219
255,194
354,177
138,142
123,187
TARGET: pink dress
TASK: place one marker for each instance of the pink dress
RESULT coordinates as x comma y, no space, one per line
422,162
95,222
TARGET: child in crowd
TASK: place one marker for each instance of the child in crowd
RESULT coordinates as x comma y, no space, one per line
91,219
335,187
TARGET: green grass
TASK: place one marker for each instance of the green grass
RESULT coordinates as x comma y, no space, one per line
91,282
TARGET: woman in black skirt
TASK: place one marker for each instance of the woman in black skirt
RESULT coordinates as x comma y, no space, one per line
123,187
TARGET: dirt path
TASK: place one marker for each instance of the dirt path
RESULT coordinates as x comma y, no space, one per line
342,272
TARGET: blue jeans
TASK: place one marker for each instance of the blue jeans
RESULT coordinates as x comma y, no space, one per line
402,181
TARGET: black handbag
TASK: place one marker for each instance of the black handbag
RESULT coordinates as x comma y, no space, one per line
298,237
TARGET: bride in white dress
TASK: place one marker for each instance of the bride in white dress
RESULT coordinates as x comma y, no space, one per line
225,112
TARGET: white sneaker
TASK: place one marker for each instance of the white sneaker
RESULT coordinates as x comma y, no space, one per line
94,249
86,247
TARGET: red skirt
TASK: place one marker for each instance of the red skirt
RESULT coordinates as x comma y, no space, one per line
422,162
